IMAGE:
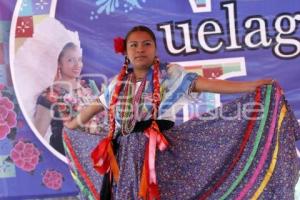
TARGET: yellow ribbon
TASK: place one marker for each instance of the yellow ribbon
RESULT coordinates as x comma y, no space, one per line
271,168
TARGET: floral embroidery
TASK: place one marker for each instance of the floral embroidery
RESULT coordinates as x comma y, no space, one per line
68,105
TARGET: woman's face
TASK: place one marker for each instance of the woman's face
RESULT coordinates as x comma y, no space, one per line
140,49
71,63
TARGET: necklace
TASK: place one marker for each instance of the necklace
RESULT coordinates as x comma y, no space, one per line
130,102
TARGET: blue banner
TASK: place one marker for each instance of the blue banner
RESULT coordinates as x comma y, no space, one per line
234,40
261,35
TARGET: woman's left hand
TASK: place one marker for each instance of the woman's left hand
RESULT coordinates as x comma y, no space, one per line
263,82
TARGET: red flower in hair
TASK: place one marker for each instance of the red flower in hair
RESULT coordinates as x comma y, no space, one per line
119,45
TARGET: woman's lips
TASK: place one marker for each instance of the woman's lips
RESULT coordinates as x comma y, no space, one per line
76,71
140,57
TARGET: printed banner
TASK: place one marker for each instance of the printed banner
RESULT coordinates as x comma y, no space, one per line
234,40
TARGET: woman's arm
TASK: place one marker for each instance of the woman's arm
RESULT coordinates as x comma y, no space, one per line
42,119
85,115
223,86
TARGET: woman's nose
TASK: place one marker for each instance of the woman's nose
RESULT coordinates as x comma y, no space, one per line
140,48
77,62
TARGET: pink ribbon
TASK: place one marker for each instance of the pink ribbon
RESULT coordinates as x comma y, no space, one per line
156,139
263,158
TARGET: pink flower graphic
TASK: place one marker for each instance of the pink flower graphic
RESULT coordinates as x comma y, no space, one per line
53,179
8,117
25,156
2,86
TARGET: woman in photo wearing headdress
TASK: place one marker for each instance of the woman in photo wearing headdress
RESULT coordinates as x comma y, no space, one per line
48,70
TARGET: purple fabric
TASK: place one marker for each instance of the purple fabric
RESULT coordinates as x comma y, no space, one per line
200,151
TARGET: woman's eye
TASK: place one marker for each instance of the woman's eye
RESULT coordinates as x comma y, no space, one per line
74,60
133,45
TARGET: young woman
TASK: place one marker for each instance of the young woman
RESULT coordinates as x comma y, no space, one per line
65,97
47,71
145,156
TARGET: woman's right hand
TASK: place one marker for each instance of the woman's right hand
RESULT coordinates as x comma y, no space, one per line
70,124
84,116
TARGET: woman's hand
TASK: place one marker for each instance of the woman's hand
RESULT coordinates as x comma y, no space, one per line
261,82
84,116
69,124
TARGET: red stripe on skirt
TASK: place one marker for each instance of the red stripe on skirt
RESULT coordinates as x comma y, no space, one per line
246,137
80,168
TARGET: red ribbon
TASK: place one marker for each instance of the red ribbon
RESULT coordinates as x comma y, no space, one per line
238,155
149,187
103,156
104,159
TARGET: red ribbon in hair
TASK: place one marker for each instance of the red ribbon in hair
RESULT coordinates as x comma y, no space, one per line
119,45
103,156
148,187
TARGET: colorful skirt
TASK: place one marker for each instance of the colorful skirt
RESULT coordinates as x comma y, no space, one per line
242,150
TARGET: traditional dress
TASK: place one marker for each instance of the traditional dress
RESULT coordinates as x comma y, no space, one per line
241,150
64,104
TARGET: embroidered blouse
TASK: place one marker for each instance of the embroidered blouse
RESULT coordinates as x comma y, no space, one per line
175,85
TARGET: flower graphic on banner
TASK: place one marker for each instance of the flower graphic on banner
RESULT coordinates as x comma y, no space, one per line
24,27
52,179
41,4
25,155
8,117
110,6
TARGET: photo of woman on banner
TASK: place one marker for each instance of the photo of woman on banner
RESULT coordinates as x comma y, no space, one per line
146,156
53,91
